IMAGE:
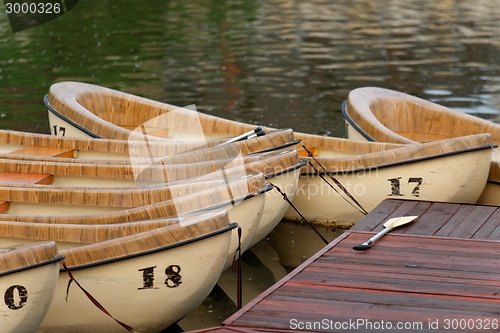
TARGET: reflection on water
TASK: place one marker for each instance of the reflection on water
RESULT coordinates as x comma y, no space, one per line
282,63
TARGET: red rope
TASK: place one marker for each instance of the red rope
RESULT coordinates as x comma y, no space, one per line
92,299
236,267
283,194
309,154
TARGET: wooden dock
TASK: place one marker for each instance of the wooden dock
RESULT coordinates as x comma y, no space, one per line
441,273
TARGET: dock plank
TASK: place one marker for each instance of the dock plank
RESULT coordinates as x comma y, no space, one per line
420,208
378,214
432,219
373,296
473,222
486,230
455,220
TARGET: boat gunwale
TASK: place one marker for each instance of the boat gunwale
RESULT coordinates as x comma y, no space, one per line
216,206
282,146
56,258
229,227
407,161
287,170
351,122
377,112
267,187
60,116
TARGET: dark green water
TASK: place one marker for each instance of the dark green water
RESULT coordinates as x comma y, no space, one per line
282,63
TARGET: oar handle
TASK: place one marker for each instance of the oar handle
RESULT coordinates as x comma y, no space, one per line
366,245
362,247
245,135
256,134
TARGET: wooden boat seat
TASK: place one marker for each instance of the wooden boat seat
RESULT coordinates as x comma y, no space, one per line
46,151
4,206
22,178
26,178
303,152
423,137
153,131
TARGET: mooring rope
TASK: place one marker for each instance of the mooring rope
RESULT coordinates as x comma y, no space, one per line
494,153
359,207
92,299
296,210
238,268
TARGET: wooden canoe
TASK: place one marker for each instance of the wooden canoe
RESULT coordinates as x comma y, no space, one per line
385,115
28,279
377,114
42,147
147,280
453,170
79,174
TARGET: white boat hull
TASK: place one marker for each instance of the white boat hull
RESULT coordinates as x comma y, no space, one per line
60,127
275,206
143,292
491,192
454,178
248,215
352,133
27,297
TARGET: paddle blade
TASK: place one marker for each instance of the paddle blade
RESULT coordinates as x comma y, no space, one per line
398,221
